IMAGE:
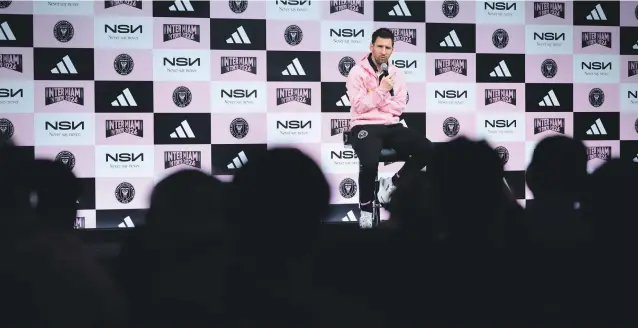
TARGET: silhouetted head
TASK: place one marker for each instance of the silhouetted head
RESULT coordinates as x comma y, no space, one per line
15,170
409,206
558,168
57,191
466,187
187,204
280,197
611,201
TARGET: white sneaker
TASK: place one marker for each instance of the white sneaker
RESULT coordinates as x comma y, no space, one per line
386,188
365,221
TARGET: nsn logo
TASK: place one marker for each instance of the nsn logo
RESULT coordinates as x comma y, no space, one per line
125,157
63,125
294,124
500,6
632,94
238,93
343,154
549,36
500,123
402,63
294,2
597,66
346,33
450,94
182,61
122,28
10,93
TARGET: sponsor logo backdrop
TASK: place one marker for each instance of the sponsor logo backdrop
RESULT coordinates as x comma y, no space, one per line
125,92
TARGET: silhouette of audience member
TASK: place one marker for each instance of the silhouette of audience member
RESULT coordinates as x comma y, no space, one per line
173,268
15,168
279,201
57,191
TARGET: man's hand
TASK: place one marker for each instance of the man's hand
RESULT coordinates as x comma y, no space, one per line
387,83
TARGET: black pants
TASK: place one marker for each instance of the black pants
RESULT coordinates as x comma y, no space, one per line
368,140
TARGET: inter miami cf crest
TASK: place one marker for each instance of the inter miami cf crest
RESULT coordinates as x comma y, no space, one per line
635,11
549,8
450,8
12,62
63,31
124,193
293,35
123,64
182,96
6,129
596,97
503,153
238,6
549,68
67,158
239,128
451,127
5,4
407,98
345,65
636,125
348,188
356,6
500,38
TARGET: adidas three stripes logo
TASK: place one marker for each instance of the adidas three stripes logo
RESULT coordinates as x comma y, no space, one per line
549,100
183,131
181,5
126,223
6,34
125,99
400,9
238,161
344,101
451,40
501,70
597,129
350,217
294,68
239,37
65,66
597,13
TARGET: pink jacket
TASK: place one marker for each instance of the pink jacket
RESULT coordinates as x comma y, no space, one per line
370,104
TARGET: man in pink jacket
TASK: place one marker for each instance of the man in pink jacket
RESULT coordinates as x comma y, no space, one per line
378,98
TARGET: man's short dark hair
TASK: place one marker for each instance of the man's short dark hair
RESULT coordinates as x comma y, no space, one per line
383,33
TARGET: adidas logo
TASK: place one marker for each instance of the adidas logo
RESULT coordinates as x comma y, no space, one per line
294,68
350,217
6,34
501,70
549,100
127,223
64,67
400,9
636,159
597,13
403,123
344,101
125,99
183,131
597,129
238,161
239,37
635,46
451,40
181,5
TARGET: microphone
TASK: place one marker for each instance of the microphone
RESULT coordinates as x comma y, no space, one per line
384,70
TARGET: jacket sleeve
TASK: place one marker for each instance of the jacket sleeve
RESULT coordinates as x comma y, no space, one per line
396,104
361,100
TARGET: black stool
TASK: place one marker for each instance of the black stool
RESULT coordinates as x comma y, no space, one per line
387,155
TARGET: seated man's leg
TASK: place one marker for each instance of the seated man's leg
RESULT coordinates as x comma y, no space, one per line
408,142
367,142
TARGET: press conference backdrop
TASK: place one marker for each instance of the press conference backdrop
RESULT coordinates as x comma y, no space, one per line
125,92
